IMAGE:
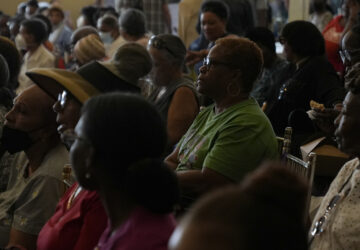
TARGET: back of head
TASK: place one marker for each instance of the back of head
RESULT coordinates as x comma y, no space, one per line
89,48
304,38
132,61
263,36
110,21
11,54
83,32
37,28
132,21
244,55
46,21
260,214
33,3
89,12
172,46
128,136
217,7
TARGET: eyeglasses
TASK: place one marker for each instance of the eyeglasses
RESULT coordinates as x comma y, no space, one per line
69,136
346,55
159,43
62,98
208,62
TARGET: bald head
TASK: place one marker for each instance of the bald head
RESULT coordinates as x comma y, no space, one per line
32,109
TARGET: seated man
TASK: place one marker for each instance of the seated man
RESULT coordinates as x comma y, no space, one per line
110,34
35,184
231,137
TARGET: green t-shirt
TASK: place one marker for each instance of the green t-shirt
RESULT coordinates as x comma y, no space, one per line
231,143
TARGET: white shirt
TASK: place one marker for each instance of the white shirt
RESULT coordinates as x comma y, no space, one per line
41,58
111,49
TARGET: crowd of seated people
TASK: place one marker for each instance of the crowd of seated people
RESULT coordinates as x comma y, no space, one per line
109,139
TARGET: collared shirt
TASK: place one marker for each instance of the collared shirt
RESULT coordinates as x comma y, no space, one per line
342,225
112,48
30,201
40,58
154,13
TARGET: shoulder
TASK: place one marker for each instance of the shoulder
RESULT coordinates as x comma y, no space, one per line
54,162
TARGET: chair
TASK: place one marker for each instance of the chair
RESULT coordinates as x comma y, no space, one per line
284,142
304,169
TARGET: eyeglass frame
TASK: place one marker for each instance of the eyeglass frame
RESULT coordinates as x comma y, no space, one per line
62,99
69,136
159,43
345,54
207,62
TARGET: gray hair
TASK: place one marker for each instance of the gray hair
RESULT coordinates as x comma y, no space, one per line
132,21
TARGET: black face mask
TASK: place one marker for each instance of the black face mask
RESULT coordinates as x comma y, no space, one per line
14,140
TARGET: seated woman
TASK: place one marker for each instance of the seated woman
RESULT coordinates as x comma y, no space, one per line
80,218
213,19
337,222
311,77
175,96
231,137
272,196
121,161
88,49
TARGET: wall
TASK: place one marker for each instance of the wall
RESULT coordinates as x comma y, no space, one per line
72,6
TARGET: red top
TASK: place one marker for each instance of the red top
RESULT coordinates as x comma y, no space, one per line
332,35
78,227
142,230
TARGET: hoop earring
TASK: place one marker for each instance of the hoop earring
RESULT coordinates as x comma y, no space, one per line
231,93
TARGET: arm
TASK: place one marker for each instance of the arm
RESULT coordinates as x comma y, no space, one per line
182,111
172,160
167,16
18,238
201,181
30,213
193,57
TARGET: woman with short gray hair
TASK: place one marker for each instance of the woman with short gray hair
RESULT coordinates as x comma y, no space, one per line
174,96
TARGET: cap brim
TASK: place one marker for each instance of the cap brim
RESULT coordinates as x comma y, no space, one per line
54,81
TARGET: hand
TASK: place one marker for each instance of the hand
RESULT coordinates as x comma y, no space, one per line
193,57
324,119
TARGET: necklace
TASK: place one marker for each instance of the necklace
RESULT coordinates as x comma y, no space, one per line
73,196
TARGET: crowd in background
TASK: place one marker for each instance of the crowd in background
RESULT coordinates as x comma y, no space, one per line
121,132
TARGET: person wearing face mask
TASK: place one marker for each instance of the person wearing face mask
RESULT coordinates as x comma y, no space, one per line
320,16
35,184
110,35
34,34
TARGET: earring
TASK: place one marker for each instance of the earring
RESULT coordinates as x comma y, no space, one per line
87,175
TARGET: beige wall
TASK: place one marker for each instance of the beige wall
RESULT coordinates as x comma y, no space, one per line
72,6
